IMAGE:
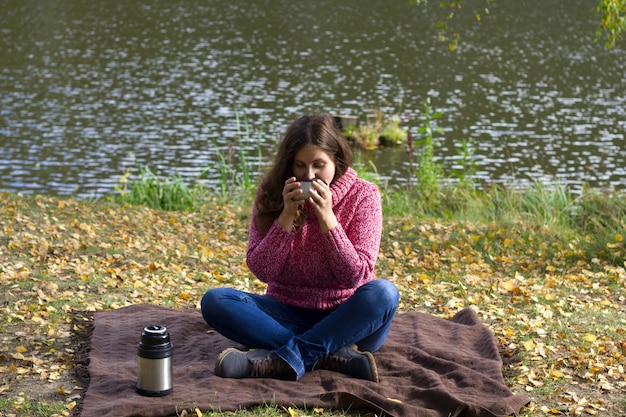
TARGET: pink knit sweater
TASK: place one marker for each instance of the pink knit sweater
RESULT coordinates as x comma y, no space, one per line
309,269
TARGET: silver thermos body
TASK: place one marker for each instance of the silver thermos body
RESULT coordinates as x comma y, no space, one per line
154,354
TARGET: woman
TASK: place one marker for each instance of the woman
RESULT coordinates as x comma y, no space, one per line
323,308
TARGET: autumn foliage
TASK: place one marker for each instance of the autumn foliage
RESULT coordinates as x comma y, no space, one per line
558,311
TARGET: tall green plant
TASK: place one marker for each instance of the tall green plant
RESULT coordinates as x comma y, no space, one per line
224,169
424,166
234,166
467,167
247,179
243,178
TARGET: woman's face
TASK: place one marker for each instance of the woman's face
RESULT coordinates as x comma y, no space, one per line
312,162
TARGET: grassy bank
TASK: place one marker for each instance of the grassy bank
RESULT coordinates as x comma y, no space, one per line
543,268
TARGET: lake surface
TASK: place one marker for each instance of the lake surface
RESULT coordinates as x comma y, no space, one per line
92,89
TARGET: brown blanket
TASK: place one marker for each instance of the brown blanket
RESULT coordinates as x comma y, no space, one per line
428,367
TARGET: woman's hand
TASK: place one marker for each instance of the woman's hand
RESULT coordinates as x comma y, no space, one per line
290,207
322,202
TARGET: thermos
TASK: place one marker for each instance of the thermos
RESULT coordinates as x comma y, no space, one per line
154,352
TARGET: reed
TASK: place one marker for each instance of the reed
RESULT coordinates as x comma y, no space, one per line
234,166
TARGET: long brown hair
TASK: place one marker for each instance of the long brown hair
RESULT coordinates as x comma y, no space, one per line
318,130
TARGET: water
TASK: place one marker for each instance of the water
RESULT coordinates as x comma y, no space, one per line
89,90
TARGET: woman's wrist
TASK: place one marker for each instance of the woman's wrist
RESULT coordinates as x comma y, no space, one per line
286,221
329,223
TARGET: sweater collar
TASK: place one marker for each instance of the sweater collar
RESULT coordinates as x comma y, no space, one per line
342,185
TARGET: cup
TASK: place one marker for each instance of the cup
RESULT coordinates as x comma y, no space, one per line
307,189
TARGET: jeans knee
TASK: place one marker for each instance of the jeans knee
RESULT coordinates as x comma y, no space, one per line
211,302
386,293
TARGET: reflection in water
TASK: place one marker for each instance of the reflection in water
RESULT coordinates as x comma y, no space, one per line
86,84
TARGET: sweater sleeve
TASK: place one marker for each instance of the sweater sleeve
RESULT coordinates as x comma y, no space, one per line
267,254
353,248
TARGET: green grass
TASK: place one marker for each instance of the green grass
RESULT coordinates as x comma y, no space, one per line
272,410
31,407
157,192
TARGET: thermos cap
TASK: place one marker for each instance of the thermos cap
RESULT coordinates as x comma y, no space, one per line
155,343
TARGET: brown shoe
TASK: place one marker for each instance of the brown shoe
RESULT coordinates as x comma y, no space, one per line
257,363
352,362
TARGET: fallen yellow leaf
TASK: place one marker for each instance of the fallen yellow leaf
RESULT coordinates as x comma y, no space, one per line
508,285
557,374
589,337
292,412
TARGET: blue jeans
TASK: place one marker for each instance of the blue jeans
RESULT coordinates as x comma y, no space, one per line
302,336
